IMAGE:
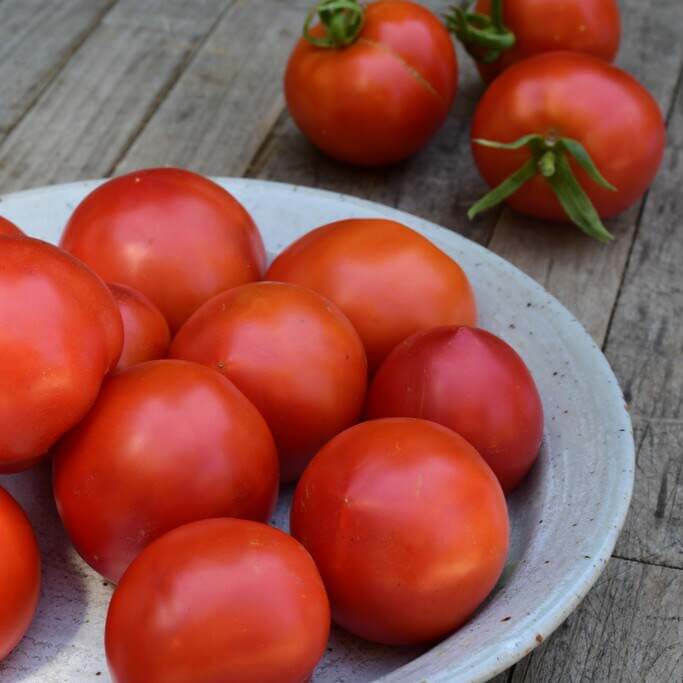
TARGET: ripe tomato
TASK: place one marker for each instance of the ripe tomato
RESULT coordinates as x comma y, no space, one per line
389,280
60,332
292,353
500,33
218,600
474,383
166,443
408,526
173,235
564,99
19,574
372,85
145,331
8,229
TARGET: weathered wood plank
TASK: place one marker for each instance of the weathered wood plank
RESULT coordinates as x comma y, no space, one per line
583,274
628,629
653,529
86,118
228,99
36,38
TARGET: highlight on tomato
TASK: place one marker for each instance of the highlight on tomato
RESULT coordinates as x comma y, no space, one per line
8,229
218,600
166,443
472,382
388,279
61,334
173,235
145,331
408,526
499,33
371,84
19,574
564,136
292,352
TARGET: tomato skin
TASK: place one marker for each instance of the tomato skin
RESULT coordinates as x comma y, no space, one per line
61,333
382,98
472,382
293,354
19,574
408,526
388,279
571,95
166,443
173,235
588,26
245,600
8,229
145,331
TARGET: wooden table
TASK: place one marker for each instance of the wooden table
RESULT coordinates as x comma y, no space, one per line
96,87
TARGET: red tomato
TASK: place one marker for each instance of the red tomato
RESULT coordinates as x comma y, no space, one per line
19,574
145,331
166,443
569,95
536,26
292,353
408,526
8,229
389,280
173,235
382,94
60,333
474,383
218,600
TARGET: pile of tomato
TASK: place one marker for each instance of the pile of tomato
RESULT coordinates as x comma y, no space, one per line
176,380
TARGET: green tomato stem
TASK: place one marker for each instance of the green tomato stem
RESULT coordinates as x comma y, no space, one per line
342,20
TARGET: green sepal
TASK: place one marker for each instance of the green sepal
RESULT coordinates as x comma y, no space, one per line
343,21
579,152
507,188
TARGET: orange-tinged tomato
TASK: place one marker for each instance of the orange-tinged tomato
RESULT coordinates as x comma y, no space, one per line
8,229
292,353
388,279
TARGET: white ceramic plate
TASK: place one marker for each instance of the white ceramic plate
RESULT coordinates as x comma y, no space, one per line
565,518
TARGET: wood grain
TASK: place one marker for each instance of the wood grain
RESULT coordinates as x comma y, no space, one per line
36,38
88,115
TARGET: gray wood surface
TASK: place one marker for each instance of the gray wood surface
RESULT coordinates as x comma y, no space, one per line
92,87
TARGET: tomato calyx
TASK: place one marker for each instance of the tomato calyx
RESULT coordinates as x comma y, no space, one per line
550,159
342,20
484,37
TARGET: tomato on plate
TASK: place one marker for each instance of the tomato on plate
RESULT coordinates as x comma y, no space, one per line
166,443
60,333
371,85
388,279
173,235
473,382
218,600
408,526
19,574
567,136
499,33
8,229
292,352
145,331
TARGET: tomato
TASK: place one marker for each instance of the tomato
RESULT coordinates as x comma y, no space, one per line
171,234
389,280
145,331
565,99
19,574
166,443
408,526
292,353
60,333
473,382
218,600
376,90
532,27
8,229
